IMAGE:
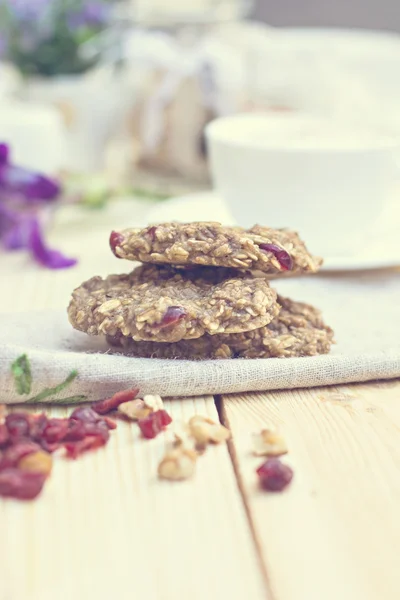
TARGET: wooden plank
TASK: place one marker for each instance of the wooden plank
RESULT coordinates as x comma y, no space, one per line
335,533
106,527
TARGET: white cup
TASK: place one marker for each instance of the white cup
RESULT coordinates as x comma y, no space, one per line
308,174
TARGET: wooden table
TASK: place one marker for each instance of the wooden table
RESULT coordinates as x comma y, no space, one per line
106,527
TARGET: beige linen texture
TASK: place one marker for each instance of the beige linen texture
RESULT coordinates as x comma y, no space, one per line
363,310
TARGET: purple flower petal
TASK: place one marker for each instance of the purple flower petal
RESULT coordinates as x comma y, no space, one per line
4,154
17,236
53,259
30,185
24,182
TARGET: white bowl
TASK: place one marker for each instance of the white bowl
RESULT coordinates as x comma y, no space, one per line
301,172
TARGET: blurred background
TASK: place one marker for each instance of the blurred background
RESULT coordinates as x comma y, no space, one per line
112,97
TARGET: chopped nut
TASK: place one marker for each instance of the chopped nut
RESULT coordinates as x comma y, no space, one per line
205,430
184,439
177,464
135,409
153,401
140,408
37,462
269,443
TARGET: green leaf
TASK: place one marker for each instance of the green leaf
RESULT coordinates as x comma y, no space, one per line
21,370
60,401
48,392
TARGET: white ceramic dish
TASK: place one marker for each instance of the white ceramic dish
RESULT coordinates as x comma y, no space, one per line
378,251
324,178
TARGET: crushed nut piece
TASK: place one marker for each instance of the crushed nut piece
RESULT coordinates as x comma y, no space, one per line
269,443
184,439
177,464
153,401
205,430
37,462
140,408
135,409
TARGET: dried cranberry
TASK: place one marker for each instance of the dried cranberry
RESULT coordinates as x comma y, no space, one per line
164,417
172,315
116,239
4,435
56,430
50,447
110,423
281,255
152,425
100,428
76,431
37,425
17,424
103,407
14,453
22,485
91,442
274,475
85,413
152,232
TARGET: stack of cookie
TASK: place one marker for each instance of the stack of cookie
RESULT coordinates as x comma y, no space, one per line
203,292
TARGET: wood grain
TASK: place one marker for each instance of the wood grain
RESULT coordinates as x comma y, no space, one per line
335,533
106,527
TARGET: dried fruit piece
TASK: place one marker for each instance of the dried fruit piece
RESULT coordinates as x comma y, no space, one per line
110,423
282,256
56,430
4,435
269,443
21,485
205,430
274,475
51,447
91,442
98,429
14,453
152,232
141,408
76,431
172,315
152,425
85,413
116,239
17,424
37,425
102,407
177,464
37,462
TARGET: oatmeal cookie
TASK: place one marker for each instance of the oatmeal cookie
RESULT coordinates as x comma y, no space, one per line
160,303
211,244
298,330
